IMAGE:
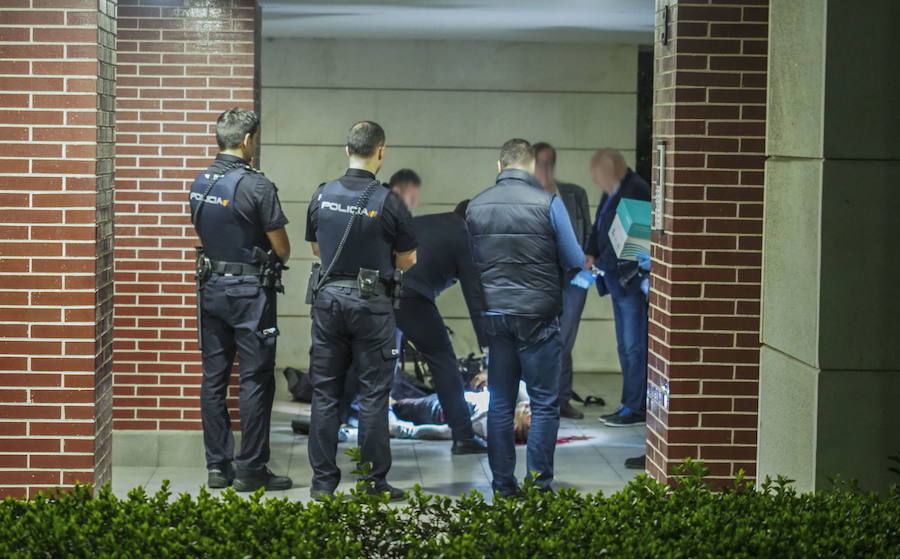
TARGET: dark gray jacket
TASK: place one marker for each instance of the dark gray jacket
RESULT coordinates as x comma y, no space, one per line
515,247
576,201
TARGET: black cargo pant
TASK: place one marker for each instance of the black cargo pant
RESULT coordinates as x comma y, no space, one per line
350,332
234,308
422,324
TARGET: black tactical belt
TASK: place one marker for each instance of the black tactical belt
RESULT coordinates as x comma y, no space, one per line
380,288
234,268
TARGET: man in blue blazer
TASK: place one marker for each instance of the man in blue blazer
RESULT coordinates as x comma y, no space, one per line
621,279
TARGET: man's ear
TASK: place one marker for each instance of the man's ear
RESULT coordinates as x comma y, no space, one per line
347,151
381,152
248,148
499,166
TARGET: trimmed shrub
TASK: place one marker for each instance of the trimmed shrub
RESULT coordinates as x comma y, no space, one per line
645,519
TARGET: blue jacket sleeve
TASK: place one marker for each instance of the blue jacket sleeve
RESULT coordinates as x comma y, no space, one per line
571,255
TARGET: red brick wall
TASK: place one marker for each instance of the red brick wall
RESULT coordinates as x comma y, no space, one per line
55,242
710,109
181,63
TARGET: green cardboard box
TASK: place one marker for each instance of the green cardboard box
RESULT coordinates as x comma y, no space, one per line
630,230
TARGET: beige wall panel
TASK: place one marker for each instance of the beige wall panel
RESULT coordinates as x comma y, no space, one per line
451,118
467,65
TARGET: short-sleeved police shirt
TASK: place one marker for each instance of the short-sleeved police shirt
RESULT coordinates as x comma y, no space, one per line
396,221
255,198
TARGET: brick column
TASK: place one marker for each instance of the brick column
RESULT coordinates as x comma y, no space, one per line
181,63
710,109
57,79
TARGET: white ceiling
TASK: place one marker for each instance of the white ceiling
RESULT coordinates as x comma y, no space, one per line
628,21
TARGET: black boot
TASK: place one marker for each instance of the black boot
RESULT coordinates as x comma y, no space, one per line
265,478
395,493
637,463
475,445
300,424
569,411
220,476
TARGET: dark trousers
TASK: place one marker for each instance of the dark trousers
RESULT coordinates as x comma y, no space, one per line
426,410
421,323
233,310
522,349
574,298
630,313
350,332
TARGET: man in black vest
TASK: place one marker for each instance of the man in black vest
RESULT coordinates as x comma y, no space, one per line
238,216
445,256
621,279
523,245
362,232
575,199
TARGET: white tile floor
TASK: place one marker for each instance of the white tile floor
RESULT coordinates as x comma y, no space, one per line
588,465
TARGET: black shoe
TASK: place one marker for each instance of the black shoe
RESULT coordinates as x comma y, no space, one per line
265,478
637,463
220,476
625,418
606,416
300,424
319,494
395,493
475,445
568,411
515,493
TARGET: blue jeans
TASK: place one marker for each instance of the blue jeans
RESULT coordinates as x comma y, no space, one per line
630,313
573,305
522,349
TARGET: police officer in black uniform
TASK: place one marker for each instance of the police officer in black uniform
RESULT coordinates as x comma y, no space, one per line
237,215
362,232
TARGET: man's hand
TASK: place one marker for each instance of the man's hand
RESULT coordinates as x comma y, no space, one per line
584,279
588,262
643,260
406,260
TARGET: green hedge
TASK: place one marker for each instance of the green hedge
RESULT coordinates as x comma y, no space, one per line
645,519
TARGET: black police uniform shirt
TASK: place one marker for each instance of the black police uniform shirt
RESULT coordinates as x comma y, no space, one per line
396,220
255,198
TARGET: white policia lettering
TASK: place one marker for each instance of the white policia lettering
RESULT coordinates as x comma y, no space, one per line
217,200
334,206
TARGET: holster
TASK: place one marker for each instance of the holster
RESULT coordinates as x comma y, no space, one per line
367,281
202,272
315,276
202,267
396,287
270,269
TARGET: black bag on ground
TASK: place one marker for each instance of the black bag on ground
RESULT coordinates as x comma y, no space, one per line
298,384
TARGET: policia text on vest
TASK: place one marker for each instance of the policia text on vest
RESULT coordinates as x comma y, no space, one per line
238,217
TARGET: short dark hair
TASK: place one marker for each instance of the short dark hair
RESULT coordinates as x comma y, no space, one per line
364,138
541,146
461,208
404,177
516,152
233,125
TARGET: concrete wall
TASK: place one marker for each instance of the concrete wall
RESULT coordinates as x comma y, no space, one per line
446,107
830,372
